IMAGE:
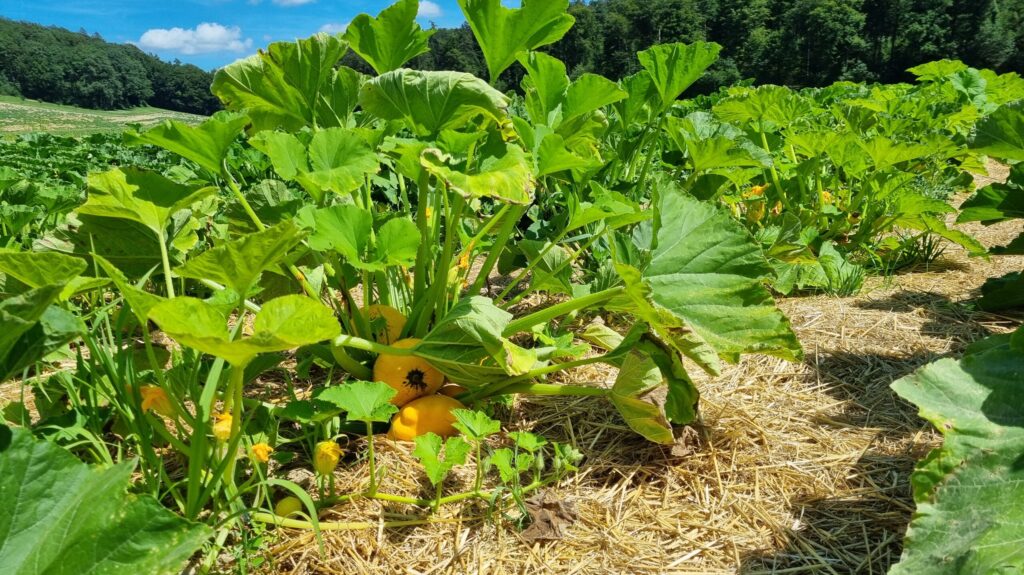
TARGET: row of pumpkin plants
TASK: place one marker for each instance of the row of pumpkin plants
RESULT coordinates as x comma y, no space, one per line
390,229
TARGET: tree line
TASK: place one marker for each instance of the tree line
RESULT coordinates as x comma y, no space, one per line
788,42
56,65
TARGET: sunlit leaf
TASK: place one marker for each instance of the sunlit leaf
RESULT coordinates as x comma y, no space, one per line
431,101
674,67
362,400
504,33
391,39
238,263
206,144
428,451
505,177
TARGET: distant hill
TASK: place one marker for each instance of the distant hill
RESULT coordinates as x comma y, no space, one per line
56,65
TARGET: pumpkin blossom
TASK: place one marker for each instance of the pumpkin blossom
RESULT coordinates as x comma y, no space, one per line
755,192
261,452
325,457
222,426
155,399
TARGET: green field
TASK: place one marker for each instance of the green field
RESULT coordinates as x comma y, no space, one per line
21,116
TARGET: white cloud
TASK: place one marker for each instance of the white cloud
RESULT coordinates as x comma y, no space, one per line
332,28
203,39
429,9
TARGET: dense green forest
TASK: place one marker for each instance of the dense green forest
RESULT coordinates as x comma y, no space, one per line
55,65
788,42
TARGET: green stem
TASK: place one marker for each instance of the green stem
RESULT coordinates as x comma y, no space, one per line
554,389
354,342
349,363
371,460
166,261
423,252
522,274
502,387
504,233
237,192
547,314
775,174
479,468
572,257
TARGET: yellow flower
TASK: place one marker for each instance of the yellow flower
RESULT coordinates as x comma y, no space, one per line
755,192
261,452
325,457
464,258
755,211
826,196
222,427
155,399
430,212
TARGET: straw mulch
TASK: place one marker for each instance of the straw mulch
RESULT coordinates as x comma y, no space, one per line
795,468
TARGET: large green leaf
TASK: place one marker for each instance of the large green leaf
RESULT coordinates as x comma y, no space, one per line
139,196
639,376
431,101
348,230
283,323
129,245
997,202
1005,292
391,39
504,33
552,100
505,177
776,105
206,144
1001,134
544,85
970,509
467,345
291,85
674,67
238,263
703,290
336,159
339,159
33,328
55,328
38,269
59,517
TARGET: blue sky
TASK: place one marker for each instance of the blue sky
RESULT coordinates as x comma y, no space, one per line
210,33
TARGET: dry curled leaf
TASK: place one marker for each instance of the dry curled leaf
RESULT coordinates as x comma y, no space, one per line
549,516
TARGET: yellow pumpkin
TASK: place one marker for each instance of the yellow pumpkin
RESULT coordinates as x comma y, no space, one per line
452,390
409,375
386,323
423,415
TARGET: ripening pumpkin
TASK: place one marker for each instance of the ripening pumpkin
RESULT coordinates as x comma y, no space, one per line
386,323
409,375
287,505
432,413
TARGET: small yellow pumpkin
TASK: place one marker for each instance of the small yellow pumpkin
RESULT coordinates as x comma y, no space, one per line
423,415
409,375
